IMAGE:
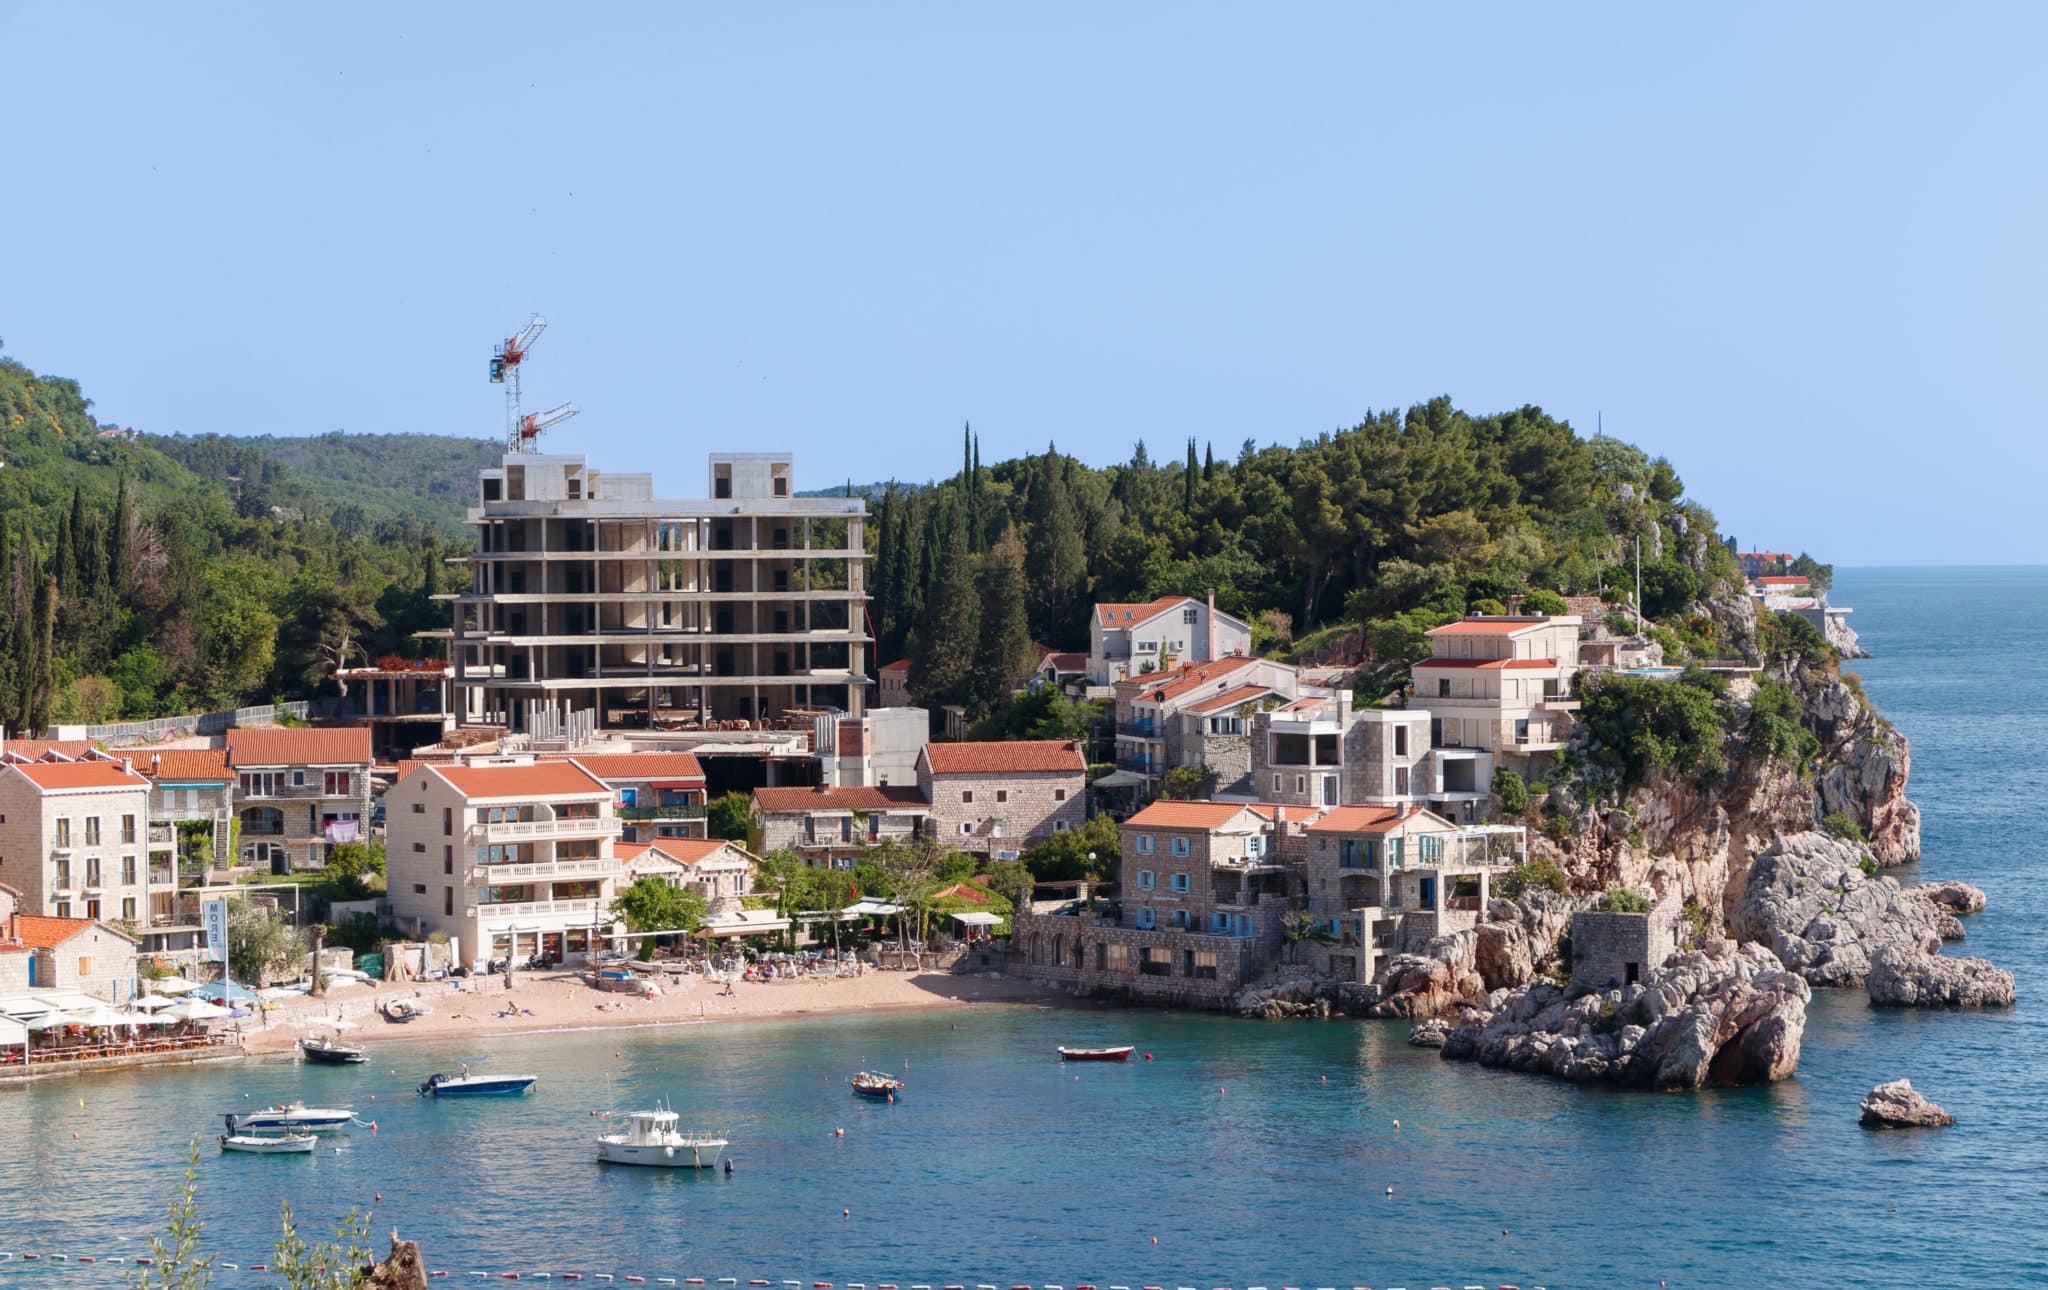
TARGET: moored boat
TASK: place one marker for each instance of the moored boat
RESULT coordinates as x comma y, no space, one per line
332,1052
467,1085
652,1139
401,1010
289,1144
291,1116
1097,1054
877,1085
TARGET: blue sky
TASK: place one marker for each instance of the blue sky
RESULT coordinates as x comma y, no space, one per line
1797,249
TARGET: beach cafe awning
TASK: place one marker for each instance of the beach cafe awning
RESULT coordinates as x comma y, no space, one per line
872,909
745,922
1118,779
13,1034
222,992
978,918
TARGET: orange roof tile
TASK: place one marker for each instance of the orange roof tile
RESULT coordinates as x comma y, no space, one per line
644,765
1068,662
40,933
185,763
526,779
693,850
1360,819
1489,664
299,746
1187,815
1784,580
1129,613
33,749
845,798
1015,757
1230,698
900,665
51,775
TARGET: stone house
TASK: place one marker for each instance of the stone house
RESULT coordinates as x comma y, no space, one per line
721,872
1200,714
1388,878
1129,640
1199,867
830,827
996,799
1612,950
1187,969
74,839
299,790
78,954
893,688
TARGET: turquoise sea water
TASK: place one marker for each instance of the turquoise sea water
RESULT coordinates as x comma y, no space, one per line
1257,1154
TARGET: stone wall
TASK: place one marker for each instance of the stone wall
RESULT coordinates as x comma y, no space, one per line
1610,950
1028,808
1229,759
1095,956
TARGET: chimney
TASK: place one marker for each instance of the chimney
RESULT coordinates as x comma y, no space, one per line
156,763
1210,654
127,766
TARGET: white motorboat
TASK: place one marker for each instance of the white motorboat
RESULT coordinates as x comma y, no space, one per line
292,1117
468,1085
651,1139
289,1144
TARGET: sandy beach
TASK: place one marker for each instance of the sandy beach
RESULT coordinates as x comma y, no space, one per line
565,1001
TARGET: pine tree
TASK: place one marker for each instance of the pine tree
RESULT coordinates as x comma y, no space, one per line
1005,651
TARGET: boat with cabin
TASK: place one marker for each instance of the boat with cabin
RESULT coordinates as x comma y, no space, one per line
292,1117
289,1144
1122,1054
652,1139
467,1085
332,1052
876,1085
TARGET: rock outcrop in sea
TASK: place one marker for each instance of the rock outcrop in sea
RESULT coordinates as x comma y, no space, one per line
1725,1014
1808,899
400,1270
1902,978
1897,1105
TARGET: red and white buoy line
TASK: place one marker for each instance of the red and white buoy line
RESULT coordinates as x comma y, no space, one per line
51,1262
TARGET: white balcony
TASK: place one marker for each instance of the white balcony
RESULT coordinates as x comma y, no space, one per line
604,826
587,909
505,875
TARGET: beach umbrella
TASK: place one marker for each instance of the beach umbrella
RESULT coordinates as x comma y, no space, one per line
99,1017
196,1010
224,992
130,1017
152,1001
49,1021
171,985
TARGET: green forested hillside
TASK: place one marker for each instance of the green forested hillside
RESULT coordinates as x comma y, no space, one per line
1396,525
357,480
136,587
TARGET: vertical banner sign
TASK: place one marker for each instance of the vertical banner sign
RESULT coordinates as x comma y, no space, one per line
215,913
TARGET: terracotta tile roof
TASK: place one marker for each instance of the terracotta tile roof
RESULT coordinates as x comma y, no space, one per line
1284,813
1015,757
1164,687
39,933
645,765
900,665
1489,627
1360,819
299,746
33,749
185,763
1783,580
1187,815
1129,613
964,892
1068,662
1489,664
79,774
847,798
530,779
695,850
630,850
1230,698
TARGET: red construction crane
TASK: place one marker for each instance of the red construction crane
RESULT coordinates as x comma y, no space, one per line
506,360
533,423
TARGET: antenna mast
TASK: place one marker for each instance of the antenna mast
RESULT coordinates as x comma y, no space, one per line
507,357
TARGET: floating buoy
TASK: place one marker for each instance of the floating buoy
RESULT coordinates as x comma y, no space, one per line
846,1213
373,1128
380,1198
1148,1057
838,1133
1397,1124
1390,1191
1155,1240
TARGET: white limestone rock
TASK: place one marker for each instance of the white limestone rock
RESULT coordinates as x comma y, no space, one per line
1956,897
1902,978
1808,900
1897,1105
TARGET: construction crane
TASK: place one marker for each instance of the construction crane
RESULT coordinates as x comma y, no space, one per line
506,359
528,427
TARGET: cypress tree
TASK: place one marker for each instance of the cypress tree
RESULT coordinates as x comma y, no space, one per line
21,694
949,634
1188,481
120,540
1056,551
1005,650
43,689
1209,461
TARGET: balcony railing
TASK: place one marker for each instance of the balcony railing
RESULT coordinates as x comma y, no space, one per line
309,790
603,826
1142,765
678,811
162,877
1138,729
522,908
506,875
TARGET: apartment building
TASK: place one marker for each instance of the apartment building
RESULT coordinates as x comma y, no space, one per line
1500,684
74,840
1131,640
879,747
193,784
1200,714
831,826
655,795
298,791
586,588
996,799
510,856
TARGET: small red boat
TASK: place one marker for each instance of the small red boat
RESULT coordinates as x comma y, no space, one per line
1097,1054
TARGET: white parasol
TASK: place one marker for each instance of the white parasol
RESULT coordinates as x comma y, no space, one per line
152,1001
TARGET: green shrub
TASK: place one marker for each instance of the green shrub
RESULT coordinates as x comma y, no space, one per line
1868,864
1838,825
1541,601
1698,924
1531,874
1620,900
1775,729
1639,724
1512,792
1559,829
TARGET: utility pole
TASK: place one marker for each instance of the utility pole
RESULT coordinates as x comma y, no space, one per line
1639,584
